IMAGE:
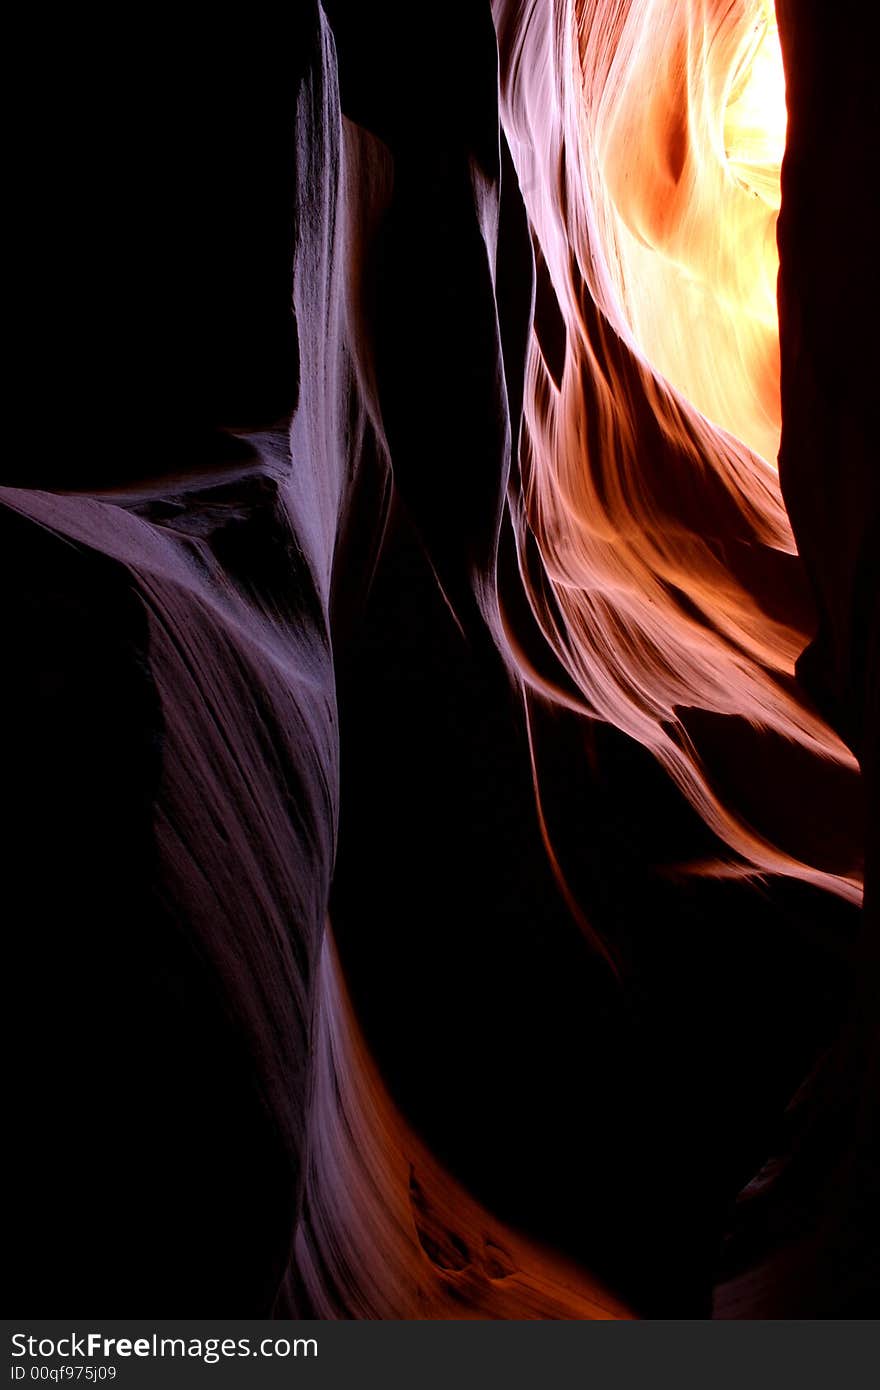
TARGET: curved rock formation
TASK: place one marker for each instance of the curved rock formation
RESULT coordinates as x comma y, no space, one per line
454,607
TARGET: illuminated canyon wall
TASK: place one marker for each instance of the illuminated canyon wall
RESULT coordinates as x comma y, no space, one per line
442,740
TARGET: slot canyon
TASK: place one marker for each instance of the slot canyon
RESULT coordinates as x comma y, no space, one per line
441,697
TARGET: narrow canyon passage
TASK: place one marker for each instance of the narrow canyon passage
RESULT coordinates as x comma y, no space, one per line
442,669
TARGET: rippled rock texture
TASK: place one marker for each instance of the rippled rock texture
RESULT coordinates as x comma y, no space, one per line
440,742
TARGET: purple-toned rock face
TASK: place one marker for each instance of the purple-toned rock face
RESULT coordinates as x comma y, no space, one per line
439,747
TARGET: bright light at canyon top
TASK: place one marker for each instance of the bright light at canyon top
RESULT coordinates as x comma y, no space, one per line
689,136
756,119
